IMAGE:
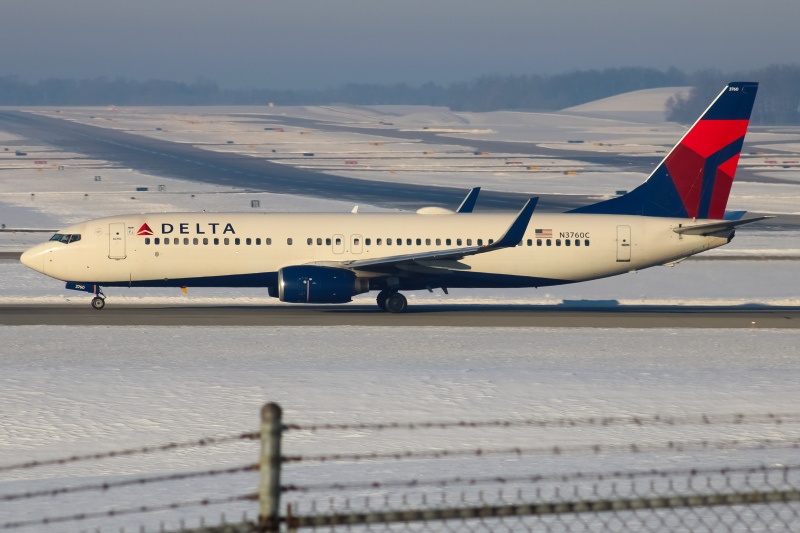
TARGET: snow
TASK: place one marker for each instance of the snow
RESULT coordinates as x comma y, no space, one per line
643,100
177,384
67,390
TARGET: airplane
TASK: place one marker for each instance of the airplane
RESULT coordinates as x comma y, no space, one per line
677,212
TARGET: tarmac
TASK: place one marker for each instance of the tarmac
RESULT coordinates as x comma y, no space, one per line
417,315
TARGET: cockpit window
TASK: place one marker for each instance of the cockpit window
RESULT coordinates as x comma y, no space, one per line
66,238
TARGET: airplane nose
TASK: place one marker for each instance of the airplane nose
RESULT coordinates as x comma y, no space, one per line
34,258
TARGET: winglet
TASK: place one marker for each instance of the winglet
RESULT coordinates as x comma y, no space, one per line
513,236
469,202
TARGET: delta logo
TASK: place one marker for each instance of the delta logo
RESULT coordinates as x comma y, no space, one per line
183,229
144,230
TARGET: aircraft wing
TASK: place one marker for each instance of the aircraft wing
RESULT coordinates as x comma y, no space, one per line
512,237
715,227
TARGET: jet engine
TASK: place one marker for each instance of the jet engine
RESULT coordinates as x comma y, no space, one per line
319,285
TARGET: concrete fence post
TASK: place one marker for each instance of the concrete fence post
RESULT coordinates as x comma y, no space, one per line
269,486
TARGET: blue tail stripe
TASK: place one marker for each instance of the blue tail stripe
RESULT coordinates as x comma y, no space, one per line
710,174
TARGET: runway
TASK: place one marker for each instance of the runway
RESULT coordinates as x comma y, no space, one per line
187,162
418,315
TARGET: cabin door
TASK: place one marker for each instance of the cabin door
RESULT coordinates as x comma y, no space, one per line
623,244
116,240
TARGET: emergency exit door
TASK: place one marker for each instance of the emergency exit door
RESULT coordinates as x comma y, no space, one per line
338,244
356,244
623,244
116,240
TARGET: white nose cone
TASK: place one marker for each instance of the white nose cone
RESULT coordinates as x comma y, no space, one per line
34,258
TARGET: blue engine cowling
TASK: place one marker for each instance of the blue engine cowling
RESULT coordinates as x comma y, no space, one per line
318,285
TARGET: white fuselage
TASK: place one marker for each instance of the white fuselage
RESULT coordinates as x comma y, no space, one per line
201,249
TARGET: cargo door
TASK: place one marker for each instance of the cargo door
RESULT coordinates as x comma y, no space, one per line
623,244
116,240
356,244
338,244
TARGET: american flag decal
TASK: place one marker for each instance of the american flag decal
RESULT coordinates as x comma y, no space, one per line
544,233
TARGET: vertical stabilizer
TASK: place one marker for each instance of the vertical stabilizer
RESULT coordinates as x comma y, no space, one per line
695,179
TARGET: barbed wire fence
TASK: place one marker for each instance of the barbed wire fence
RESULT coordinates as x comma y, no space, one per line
751,498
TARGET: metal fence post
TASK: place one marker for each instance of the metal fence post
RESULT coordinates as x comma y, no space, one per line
269,486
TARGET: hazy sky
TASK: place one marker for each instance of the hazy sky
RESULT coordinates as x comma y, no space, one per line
317,43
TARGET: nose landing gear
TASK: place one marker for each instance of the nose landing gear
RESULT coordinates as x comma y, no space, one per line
99,300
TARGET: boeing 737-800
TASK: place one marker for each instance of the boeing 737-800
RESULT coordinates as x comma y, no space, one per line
328,258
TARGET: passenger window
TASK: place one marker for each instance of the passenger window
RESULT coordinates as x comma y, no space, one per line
549,242
538,242
247,241
577,242
166,240
319,241
399,242
408,242
558,242
146,240
438,242
586,242
289,241
195,241
427,242
156,241
205,240
388,242
458,242
227,241
258,241
448,242
469,242
480,242
530,242
216,240
268,241
567,242
237,241
491,241
186,240
309,241
328,242
367,241
419,242
378,242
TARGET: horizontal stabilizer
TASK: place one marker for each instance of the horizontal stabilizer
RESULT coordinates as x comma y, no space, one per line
734,215
715,227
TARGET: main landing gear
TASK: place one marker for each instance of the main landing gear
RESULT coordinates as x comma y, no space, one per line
99,301
392,301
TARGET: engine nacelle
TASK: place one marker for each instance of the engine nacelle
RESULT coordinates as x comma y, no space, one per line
319,285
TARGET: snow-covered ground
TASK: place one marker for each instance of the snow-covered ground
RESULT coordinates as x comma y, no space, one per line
77,390
90,389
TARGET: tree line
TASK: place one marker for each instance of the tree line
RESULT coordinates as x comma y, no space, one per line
777,102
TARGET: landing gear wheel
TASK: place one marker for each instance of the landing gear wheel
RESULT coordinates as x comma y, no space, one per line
382,297
98,303
396,303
